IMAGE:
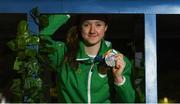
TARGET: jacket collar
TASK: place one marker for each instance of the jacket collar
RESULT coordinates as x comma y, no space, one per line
83,57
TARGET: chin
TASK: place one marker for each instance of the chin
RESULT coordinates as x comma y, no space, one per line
91,43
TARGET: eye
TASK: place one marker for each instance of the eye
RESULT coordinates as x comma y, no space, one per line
85,24
99,24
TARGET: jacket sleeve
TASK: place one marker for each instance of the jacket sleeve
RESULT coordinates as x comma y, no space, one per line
57,56
55,22
125,92
55,50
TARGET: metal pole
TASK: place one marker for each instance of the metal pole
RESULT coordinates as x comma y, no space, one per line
150,58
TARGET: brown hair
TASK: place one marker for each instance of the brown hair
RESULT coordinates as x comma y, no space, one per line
72,42
73,38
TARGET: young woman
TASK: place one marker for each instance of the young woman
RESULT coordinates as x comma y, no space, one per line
83,70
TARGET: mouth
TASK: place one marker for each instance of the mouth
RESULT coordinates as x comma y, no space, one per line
93,35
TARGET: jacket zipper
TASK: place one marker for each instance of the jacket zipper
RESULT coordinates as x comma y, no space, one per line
89,83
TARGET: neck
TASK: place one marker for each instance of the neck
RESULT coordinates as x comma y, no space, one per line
92,50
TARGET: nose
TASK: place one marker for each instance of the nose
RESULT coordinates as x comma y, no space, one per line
92,29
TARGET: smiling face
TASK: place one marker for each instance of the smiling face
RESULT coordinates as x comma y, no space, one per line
93,31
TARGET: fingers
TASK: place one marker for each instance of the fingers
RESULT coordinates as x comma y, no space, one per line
120,63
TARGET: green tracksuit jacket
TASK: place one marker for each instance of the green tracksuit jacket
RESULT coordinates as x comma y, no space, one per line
86,84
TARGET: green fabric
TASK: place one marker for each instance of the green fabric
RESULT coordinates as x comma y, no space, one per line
126,97
55,21
73,84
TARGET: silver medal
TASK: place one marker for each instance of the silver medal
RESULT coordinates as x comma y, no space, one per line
110,58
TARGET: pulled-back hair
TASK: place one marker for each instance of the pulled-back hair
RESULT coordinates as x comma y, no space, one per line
72,42
74,36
